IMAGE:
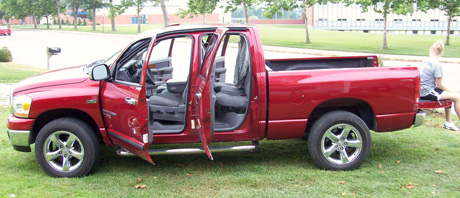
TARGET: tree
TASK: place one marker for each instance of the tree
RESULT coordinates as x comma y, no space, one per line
117,9
75,6
46,8
232,5
450,7
92,5
139,4
198,7
386,7
59,6
163,10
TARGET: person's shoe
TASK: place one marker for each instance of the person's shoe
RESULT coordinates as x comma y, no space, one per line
451,126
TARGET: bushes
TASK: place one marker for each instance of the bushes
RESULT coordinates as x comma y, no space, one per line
5,55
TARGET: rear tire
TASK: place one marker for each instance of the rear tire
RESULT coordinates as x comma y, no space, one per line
66,147
339,140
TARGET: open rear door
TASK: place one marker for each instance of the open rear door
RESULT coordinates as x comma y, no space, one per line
203,101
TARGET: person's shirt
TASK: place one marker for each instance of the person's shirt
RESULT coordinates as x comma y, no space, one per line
430,70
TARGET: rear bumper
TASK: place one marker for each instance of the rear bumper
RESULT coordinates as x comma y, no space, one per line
419,118
19,132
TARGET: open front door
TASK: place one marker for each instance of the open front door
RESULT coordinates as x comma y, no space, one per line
204,99
123,100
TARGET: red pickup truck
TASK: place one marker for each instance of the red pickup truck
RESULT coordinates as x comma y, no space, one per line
189,84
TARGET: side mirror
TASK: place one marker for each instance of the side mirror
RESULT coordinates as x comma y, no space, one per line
99,72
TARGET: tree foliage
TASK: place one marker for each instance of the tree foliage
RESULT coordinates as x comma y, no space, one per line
117,8
233,5
90,7
198,7
450,7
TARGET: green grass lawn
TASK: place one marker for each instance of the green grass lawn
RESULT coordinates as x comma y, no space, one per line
278,169
294,36
13,72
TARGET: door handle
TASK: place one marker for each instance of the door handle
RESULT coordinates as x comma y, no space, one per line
131,101
198,95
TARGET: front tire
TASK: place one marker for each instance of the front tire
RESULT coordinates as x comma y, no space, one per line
66,147
339,140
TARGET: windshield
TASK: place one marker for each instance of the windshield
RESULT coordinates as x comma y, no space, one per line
111,59
107,61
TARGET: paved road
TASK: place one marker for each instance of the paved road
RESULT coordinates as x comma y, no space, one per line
28,47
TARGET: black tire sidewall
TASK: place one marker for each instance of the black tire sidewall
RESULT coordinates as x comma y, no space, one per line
325,122
82,131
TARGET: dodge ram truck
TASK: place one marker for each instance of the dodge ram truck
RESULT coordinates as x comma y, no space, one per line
205,84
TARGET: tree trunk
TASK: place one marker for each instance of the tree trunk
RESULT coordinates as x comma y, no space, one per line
47,23
165,13
307,35
385,46
448,30
59,15
75,14
138,18
204,18
112,20
35,22
94,18
246,11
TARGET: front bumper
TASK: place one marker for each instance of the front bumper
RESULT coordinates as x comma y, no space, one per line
419,118
19,140
19,132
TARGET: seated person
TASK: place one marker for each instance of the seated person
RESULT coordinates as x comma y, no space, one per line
432,87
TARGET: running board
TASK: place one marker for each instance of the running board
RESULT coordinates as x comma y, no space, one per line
182,151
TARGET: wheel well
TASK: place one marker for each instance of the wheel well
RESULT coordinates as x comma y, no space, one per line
355,106
49,116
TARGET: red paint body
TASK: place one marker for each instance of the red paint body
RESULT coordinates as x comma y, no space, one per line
5,31
281,104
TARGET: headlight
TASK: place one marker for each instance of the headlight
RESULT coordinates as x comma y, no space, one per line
21,106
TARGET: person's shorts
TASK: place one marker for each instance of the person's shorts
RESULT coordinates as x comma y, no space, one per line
432,97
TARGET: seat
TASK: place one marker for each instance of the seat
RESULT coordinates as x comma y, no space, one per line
236,95
170,104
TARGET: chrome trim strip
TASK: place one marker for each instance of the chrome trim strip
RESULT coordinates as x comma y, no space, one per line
191,150
419,118
19,137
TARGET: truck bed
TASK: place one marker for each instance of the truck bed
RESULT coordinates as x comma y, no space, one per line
388,95
321,63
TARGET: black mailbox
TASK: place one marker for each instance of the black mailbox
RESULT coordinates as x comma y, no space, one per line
54,50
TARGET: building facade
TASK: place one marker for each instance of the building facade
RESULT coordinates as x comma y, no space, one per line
351,18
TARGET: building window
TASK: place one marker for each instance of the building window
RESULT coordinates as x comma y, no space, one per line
434,20
360,19
397,19
366,31
379,20
342,19
454,20
416,20
322,19
433,31
414,31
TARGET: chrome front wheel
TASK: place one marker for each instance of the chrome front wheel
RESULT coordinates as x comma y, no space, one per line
63,151
66,147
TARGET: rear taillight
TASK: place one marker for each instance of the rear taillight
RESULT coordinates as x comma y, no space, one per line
417,89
